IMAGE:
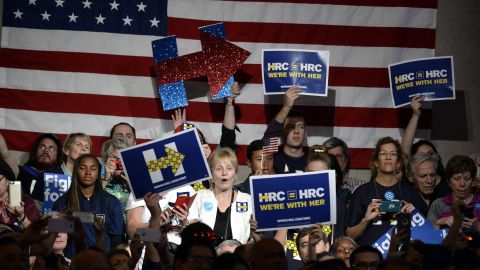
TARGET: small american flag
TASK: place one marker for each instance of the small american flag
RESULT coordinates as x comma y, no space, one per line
270,145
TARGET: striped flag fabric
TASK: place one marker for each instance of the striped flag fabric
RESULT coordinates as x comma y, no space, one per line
84,65
270,145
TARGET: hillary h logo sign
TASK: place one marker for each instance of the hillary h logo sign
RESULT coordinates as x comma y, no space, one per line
165,164
173,159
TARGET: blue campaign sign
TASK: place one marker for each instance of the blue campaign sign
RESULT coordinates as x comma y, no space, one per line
165,164
430,77
293,200
421,229
55,186
283,69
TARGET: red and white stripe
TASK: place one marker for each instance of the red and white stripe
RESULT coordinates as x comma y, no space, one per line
66,81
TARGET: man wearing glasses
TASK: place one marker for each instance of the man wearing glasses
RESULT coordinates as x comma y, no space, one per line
45,153
374,205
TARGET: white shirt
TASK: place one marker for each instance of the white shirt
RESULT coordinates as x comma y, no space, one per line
204,209
170,197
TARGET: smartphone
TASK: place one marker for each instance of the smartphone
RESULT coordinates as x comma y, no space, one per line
60,225
404,226
85,217
149,235
392,206
15,193
469,212
118,164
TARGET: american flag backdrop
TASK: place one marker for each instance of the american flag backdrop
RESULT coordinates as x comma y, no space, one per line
84,65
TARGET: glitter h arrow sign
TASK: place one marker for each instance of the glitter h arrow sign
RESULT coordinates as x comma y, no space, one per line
218,60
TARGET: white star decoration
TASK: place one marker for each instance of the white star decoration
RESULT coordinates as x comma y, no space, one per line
59,3
141,7
100,19
46,16
73,18
127,20
154,22
18,14
114,5
86,4
32,2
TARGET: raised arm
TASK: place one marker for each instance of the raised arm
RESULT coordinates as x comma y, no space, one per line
228,129
229,117
409,133
7,156
291,95
275,126
371,212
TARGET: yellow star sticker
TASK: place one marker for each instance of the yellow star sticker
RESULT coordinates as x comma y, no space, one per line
327,230
198,186
292,245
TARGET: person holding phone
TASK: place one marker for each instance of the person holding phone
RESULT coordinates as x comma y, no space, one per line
365,222
19,214
460,172
114,180
87,195
222,208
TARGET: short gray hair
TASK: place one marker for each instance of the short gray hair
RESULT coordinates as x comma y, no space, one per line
417,159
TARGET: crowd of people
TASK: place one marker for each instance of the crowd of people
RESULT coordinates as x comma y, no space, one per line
211,231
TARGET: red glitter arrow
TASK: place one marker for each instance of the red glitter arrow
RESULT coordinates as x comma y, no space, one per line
218,60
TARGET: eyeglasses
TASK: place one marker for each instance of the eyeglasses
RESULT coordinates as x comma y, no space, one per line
45,148
388,154
365,265
200,259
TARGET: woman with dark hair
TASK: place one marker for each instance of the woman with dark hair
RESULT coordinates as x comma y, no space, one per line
87,195
460,170
365,222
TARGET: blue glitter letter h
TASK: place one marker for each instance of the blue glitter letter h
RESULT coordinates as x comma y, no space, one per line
172,95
